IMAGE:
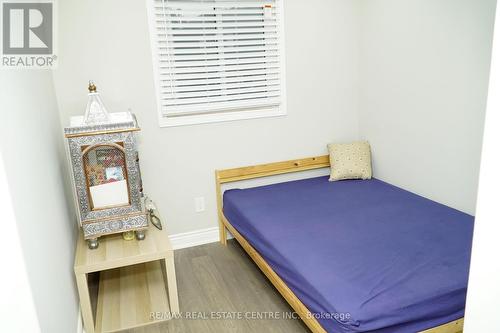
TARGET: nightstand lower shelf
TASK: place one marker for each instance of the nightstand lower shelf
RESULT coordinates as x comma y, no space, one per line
137,285
129,295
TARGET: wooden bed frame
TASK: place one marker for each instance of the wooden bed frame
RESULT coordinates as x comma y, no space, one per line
271,169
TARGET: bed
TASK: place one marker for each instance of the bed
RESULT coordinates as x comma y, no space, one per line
352,256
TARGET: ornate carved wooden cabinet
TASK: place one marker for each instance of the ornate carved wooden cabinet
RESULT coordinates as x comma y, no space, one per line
107,180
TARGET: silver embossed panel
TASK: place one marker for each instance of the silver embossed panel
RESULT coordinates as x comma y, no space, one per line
112,218
96,229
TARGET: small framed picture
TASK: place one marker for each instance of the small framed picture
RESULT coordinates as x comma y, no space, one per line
114,173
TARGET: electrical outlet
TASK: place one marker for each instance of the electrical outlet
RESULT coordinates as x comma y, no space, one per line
199,204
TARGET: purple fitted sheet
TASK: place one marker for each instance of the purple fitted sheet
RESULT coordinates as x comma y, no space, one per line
363,255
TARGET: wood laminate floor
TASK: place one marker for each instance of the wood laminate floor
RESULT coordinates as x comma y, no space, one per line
215,281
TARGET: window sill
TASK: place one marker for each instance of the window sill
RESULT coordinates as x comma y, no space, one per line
220,117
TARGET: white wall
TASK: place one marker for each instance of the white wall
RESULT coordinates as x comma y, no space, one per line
483,294
15,288
424,72
31,142
108,41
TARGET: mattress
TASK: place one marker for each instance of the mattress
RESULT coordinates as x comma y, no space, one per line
362,255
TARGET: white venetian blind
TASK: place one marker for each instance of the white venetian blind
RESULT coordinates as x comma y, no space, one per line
217,55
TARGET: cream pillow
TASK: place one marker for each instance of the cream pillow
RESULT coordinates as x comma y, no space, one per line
350,161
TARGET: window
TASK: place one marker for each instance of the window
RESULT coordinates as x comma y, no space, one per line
218,60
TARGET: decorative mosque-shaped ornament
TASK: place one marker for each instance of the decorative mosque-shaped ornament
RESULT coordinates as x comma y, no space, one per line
106,176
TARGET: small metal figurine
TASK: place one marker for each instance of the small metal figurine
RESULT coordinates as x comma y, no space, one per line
152,213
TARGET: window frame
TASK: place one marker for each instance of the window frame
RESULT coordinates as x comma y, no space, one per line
222,116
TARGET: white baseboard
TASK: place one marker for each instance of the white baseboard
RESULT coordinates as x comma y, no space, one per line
194,238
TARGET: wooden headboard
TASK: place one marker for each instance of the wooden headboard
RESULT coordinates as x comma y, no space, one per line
271,169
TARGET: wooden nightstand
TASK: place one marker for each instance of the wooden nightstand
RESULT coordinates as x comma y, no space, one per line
134,280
